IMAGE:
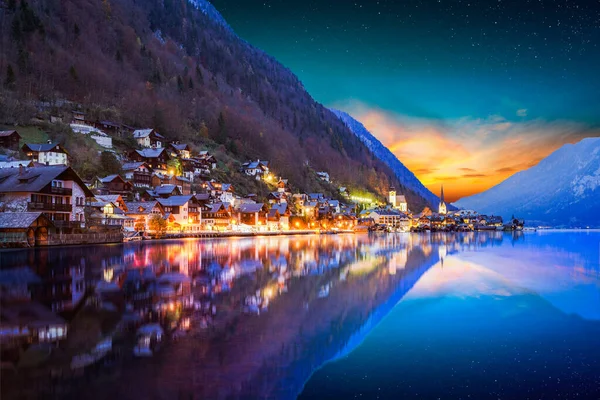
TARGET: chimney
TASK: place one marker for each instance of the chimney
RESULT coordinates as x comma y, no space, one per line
49,141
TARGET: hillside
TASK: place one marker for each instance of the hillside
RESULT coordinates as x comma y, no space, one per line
562,190
403,174
175,65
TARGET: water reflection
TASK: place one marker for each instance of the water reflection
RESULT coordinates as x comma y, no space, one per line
283,306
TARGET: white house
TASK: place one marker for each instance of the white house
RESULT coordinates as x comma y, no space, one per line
185,214
56,191
398,201
148,138
391,218
46,153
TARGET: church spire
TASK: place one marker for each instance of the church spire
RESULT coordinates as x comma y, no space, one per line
442,195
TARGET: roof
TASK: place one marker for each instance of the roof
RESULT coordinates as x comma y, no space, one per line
180,147
16,164
214,208
388,213
18,220
110,198
142,133
133,166
110,178
8,133
35,179
226,187
174,201
250,208
165,189
150,153
202,196
281,208
140,207
42,147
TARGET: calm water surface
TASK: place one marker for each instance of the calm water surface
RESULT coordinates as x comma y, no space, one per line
451,316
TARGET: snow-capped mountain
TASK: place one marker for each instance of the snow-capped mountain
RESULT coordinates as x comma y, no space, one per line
562,190
404,175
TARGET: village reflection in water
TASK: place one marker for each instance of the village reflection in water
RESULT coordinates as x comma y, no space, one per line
245,317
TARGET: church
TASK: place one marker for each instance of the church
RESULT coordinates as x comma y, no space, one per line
398,201
442,209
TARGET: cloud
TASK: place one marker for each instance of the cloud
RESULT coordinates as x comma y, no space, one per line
505,170
461,152
522,112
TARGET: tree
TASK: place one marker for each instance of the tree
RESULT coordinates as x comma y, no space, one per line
158,225
203,130
222,136
174,166
109,164
9,82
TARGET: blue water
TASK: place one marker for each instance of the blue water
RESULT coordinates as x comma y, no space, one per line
518,320
488,315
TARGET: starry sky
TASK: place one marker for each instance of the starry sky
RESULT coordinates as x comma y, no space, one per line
464,92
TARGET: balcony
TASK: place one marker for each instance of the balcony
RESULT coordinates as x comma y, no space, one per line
49,207
59,190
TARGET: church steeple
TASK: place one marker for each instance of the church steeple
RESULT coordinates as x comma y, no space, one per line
442,207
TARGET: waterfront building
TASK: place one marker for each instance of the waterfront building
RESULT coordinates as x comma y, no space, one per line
56,191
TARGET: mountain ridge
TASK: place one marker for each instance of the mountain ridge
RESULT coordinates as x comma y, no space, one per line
383,153
178,67
563,189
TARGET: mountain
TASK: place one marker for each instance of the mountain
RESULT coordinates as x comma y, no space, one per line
404,175
562,190
176,66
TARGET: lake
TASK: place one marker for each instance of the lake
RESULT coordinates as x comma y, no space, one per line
450,316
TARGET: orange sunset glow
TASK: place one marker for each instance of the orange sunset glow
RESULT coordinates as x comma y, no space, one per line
467,156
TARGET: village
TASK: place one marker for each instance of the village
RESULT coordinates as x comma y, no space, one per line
166,190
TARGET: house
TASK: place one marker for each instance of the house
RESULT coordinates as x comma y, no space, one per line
116,199
156,159
185,213
279,217
112,184
256,168
10,139
26,228
344,191
217,216
142,212
335,205
391,218
166,191
149,138
282,185
112,128
108,213
252,214
181,150
47,153
324,176
138,173
56,191
207,160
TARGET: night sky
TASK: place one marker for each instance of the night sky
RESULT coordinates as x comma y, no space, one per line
465,93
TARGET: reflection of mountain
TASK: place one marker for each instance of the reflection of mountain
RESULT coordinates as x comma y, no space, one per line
472,333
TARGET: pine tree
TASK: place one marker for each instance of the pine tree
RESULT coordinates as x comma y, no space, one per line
199,76
222,138
179,83
203,130
73,73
